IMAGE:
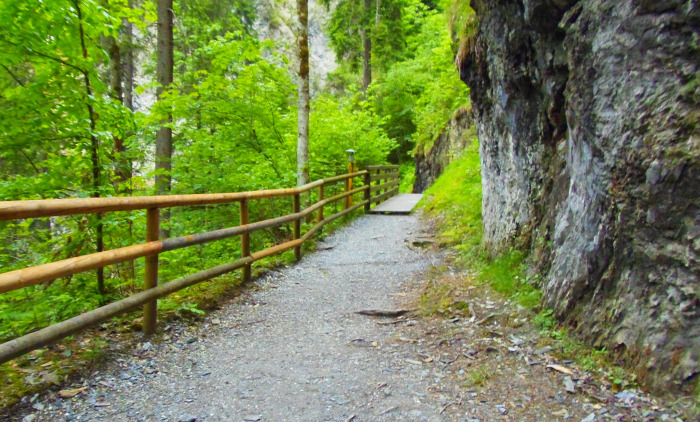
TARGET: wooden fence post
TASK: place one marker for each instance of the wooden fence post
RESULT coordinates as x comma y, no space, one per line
245,239
368,193
321,194
297,227
347,199
150,309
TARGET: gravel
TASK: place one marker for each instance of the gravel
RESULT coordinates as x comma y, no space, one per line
290,348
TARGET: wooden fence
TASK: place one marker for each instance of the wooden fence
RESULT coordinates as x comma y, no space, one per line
379,183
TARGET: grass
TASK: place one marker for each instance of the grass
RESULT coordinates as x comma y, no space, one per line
454,201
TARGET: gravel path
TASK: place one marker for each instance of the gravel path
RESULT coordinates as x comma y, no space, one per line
291,349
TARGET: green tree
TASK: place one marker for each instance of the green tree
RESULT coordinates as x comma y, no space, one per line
371,33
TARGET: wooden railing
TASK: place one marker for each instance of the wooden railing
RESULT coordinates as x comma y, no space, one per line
386,183
13,280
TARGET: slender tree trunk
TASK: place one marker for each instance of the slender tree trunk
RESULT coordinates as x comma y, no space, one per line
303,101
123,171
376,13
94,150
122,84
366,47
164,136
129,65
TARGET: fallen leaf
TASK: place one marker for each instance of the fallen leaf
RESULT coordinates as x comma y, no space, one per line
66,394
562,369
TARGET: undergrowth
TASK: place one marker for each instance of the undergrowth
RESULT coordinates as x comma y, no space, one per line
408,177
455,201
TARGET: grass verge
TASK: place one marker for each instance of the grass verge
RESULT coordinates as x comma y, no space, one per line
454,201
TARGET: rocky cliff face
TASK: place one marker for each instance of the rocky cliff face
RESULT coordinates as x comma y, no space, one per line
587,113
448,145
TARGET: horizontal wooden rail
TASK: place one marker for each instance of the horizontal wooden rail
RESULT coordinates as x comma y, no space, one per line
48,335
370,168
381,180
13,210
31,276
386,185
385,195
151,249
384,176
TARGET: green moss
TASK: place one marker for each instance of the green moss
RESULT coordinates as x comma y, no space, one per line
477,376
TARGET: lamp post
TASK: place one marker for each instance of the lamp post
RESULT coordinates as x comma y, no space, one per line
348,182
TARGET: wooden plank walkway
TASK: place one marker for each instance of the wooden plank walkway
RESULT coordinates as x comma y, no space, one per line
399,204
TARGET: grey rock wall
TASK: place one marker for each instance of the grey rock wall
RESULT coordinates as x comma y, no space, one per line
458,132
587,114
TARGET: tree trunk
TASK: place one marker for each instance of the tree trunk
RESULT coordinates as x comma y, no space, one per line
376,14
366,47
94,150
303,101
122,170
128,65
164,136
122,83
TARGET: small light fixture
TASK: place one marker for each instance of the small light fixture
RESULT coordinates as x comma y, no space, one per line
351,155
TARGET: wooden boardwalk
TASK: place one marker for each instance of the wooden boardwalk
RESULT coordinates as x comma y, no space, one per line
399,204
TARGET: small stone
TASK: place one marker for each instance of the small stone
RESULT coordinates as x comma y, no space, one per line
252,418
187,418
543,350
569,385
589,418
340,400
146,346
29,418
38,406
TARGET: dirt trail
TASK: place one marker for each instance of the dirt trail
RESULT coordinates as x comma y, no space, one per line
292,348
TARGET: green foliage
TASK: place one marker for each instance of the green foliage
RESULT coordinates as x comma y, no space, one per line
338,124
234,122
418,96
455,198
463,22
385,26
506,275
407,173
544,321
